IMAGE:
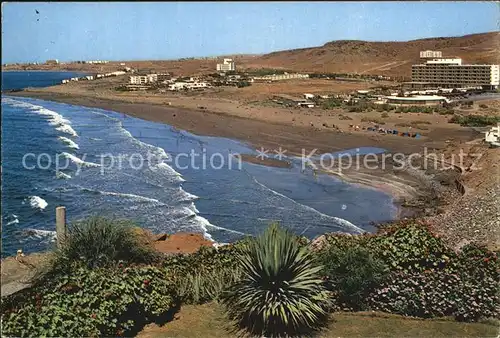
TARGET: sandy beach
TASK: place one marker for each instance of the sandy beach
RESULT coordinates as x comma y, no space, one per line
265,127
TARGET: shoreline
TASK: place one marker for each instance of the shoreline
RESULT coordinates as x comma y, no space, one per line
256,134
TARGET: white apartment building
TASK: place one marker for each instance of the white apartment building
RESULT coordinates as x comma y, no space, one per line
451,73
430,54
280,77
226,66
143,79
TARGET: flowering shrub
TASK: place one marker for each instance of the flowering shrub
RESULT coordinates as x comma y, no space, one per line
427,278
436,294
90,302
410,247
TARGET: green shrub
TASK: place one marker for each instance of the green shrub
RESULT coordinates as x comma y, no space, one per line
436,294
475,120
281,291
99,242
352,273
384,115
204,286
202,276
476,261
90,302
410,247
242,84
331,103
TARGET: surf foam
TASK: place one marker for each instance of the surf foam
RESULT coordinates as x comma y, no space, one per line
70,143
81,162
61,175
45,235
37,202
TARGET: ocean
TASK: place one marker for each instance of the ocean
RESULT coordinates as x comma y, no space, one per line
99,162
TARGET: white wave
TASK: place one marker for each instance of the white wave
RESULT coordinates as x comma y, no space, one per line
169,171
61,175
225,229
13,219
125,195
185,196
20,104
12,222
76,160
67,130
132,196
193,208
70,143
54,118
337,220
41,234
157,151
37,202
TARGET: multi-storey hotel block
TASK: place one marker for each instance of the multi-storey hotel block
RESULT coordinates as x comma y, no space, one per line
451,73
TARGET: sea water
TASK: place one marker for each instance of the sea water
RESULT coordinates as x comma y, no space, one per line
223,199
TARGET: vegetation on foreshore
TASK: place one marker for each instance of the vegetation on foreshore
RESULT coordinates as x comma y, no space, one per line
279,282
475,120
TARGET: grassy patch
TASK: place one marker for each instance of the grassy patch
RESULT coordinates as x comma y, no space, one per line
207,321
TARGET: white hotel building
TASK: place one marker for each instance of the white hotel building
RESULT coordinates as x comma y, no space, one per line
143,79
226,66
451,73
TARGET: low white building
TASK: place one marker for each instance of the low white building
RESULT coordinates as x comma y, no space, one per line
309,96
188,85
417,100
493,136
117,73
280,77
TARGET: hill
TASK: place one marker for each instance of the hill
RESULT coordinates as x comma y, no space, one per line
385,58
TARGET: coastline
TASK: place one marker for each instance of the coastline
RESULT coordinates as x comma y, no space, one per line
262,134
410,194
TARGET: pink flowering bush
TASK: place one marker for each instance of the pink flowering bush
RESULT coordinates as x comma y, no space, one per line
437,294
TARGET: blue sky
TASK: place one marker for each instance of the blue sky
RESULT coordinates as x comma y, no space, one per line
170,30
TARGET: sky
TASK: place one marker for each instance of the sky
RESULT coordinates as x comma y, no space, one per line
71,31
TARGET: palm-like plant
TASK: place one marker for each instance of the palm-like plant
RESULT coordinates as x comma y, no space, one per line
281,291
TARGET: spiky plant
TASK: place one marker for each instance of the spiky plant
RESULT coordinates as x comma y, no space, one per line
98,241
281,292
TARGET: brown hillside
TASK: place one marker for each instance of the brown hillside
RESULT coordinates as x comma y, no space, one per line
385,58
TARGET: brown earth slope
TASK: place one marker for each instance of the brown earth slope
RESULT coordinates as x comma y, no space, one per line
385,58
345,56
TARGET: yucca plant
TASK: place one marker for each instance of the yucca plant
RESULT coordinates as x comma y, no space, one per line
280,292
